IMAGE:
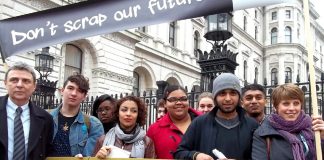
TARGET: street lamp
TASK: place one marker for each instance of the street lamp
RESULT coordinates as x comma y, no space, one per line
219,27
219,59
45,89
44,63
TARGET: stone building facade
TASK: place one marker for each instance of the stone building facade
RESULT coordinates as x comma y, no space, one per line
270,43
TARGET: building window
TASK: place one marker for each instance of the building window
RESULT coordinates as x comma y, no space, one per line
196,43
288,14
142,29
256,14
274,35
245,23
136,84
73,60
298,33
288,75
274,16
288,34
256,74
274,76
172,33
245,70
256,32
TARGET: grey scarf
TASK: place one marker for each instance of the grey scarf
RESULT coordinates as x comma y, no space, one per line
137,139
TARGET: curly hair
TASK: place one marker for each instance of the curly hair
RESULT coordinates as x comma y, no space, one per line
142,110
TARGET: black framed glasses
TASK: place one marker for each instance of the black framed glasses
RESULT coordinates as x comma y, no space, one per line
175,99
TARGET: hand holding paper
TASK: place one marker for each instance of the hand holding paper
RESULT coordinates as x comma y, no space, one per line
116,152
218,154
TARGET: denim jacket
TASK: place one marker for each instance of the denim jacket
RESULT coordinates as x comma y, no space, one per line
81,141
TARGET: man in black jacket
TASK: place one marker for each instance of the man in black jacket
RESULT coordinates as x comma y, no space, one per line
36,125
225,128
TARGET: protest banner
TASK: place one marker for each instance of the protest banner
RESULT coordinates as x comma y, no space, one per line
89,18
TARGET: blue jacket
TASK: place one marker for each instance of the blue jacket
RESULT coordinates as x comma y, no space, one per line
80,140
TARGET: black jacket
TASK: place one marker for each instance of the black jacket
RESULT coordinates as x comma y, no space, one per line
40,132
203,136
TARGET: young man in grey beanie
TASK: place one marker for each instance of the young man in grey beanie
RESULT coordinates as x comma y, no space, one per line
225,128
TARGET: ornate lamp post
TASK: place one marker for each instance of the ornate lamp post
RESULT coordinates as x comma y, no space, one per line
219,59
45,89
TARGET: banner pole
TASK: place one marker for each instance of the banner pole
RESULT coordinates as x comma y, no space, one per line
310,49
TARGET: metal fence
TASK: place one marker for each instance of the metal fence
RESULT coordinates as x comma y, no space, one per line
305,86
151,98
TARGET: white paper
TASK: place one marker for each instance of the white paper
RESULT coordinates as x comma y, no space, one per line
116,152
219,154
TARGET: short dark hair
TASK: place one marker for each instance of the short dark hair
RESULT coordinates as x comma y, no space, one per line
99,100
81,81
21,66
142,111
171,88
253,87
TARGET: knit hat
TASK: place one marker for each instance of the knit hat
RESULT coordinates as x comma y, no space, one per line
226,81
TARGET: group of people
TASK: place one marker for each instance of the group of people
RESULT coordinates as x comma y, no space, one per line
230,120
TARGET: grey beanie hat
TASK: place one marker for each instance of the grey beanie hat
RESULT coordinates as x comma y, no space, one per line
226,81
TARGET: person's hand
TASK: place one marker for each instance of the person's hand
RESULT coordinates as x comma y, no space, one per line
203,156
318,125
103,152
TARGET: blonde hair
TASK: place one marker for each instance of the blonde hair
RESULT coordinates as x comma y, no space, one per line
205,95
287,91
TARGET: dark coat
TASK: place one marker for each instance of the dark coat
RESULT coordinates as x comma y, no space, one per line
280,148
40,132
204,135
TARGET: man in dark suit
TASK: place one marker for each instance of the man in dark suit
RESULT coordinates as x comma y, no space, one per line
36,125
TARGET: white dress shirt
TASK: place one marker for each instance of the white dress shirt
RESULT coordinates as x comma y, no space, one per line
25,119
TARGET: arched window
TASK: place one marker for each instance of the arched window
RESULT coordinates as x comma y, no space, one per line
256,74
172,31
136,85
245,23
196,43
274,35
288,75
73,60
288,34
245,71
274,76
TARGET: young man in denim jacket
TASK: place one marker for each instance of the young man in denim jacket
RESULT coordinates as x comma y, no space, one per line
75,133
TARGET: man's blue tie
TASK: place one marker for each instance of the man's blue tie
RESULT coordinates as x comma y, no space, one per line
19,138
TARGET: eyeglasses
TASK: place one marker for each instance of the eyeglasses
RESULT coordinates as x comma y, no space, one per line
175,99
100,110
